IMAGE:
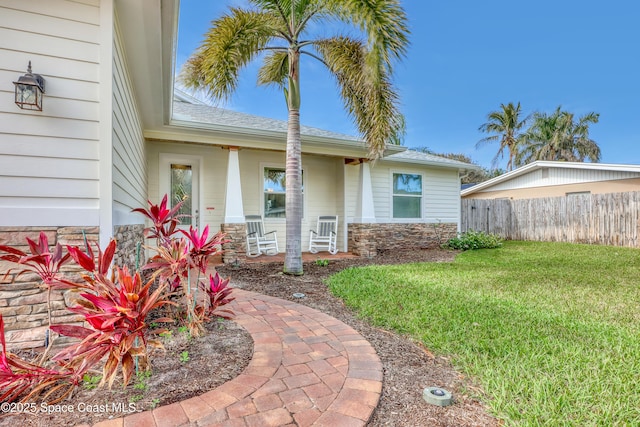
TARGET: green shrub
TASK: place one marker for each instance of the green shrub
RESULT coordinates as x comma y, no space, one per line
474,240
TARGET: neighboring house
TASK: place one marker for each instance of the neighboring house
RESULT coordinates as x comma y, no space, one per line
553,179
112,135
560,202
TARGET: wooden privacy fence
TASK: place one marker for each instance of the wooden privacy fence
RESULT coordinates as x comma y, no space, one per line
606,219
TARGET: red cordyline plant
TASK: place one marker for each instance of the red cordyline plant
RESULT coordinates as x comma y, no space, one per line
26,381
218,291
177,257
116,311
43,261
165,221
200,249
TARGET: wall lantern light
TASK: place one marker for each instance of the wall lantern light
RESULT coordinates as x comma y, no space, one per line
29,90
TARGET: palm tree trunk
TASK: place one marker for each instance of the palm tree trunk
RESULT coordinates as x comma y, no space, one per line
293,205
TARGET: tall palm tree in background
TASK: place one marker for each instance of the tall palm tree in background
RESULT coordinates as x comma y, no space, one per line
558,136
280,31
506,125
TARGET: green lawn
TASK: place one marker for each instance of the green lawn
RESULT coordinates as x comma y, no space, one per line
550,331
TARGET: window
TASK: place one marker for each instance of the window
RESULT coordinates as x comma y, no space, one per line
274,192
407,195
181,191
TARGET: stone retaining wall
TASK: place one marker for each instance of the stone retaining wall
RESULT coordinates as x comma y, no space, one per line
23,299
366,240
127,238
236,249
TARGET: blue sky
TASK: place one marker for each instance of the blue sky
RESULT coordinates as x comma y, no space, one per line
466,58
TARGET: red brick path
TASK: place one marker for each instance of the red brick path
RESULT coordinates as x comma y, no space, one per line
308,369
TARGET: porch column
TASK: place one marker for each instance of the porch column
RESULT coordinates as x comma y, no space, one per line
365,212
361,232
233,226
233,209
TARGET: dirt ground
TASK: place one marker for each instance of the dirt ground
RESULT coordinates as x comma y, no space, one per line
192,366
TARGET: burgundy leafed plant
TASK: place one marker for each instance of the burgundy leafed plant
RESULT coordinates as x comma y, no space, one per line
200,248
26,381
117,315
165,221
45,263
218,291
42,261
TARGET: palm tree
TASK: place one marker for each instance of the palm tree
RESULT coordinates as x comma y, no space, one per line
557,136
280,31
506,126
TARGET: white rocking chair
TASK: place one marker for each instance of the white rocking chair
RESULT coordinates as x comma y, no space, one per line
325,236
259,242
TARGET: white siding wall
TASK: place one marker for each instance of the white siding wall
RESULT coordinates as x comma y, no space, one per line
440,187
560,176
129,165
49,170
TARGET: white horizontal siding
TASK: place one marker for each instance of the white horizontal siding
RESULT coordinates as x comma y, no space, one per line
381,184
54,148
88,12
441,196
560,176
43,167
129,164
35,22
49,160
440,192
29,188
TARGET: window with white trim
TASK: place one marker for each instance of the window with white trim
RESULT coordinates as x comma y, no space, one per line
275,192
407,195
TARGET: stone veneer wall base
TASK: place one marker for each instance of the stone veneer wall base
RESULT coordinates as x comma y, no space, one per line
367,240
235,250
127,238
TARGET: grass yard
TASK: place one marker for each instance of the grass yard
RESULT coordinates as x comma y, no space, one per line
550,331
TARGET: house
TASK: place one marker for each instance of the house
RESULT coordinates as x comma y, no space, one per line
113,134
590,203
554,179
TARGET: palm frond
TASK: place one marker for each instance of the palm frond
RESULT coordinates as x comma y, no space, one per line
372,105
275,69
230,44
385,24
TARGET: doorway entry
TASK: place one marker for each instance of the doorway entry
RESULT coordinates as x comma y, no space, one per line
180,181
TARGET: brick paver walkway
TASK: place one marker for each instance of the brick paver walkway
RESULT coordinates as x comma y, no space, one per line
308,369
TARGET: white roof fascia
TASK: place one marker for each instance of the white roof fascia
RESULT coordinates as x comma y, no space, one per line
541,164
443,164
258,139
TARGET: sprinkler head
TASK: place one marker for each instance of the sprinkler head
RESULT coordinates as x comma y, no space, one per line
437,396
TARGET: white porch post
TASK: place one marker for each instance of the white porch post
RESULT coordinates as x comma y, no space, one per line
233,209
365,212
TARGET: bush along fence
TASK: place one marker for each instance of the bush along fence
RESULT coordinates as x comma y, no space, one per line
116,305
606,219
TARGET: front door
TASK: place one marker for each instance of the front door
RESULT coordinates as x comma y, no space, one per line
180,181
